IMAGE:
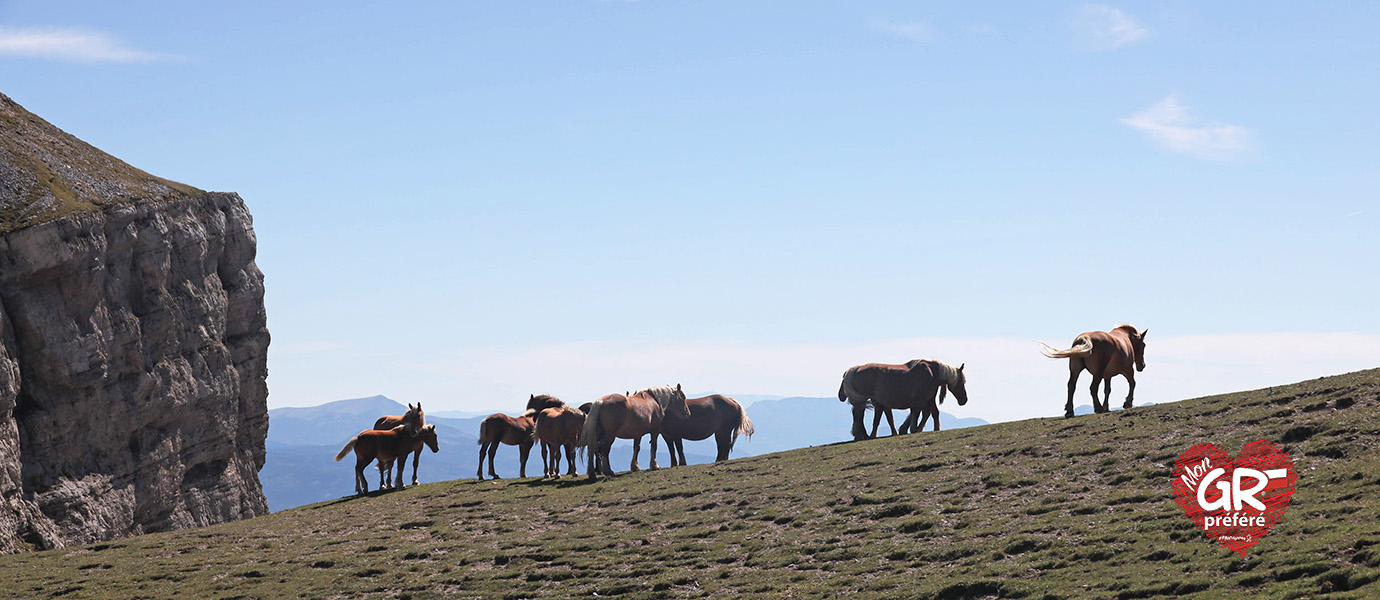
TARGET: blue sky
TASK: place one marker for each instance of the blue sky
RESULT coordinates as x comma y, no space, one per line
462,203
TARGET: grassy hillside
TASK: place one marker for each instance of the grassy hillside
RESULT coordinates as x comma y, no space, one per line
1046,508
47,174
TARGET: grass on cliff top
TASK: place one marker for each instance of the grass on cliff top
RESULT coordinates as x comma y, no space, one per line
1043,509
56,175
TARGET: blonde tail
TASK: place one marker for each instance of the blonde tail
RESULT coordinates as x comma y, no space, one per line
589,432
1081,347
350,445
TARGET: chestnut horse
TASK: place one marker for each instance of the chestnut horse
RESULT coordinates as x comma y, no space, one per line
536,404
911,386
719,416
1105,354
627,417
414,419
499,428
558,427
387,446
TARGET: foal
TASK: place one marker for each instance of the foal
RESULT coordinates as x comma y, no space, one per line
387,446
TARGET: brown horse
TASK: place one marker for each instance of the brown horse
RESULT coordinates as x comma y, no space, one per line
719,416
499,428
628,417
386,447
911,386
558,427
414,419
538,403
1105,354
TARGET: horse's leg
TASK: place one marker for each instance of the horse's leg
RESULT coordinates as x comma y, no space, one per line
652,466
1107,395
402,468
569,460
479,473
416,458
604,466
1130,395
723,438
493,451
637,447
524,450
1097,408
592,468
680,451
1074,372
361,482
934,411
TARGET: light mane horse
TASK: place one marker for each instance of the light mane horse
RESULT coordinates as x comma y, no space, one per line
627,417
910,386
414,419
1105,354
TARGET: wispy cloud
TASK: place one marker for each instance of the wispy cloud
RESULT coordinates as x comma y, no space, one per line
1104,28
915,31
1170,125
72,45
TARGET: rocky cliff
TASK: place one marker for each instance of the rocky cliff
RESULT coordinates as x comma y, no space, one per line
133,347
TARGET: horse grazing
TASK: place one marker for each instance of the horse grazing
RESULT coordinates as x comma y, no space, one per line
386,447
499,428
1105,354
911,386
414,419
628,417
556,428
719,416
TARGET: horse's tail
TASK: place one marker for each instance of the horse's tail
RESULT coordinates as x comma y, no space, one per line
589,432
350,445
486,431
744,425
1082,346
846,386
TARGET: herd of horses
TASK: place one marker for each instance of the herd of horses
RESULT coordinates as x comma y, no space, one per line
918,386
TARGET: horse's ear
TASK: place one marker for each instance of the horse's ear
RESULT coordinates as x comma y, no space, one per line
961,365
410,407
677,387
1142,334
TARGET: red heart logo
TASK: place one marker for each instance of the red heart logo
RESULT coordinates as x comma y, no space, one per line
1234,501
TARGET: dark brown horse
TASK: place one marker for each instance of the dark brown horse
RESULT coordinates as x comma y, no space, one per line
627,417
912,386
1105,354
558,427
499,428
414,419
719,416
386,447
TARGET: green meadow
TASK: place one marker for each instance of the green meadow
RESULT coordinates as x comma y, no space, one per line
1042,509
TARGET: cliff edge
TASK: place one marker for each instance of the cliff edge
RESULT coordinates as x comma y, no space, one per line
133,347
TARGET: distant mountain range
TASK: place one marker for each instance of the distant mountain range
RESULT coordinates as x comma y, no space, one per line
303,441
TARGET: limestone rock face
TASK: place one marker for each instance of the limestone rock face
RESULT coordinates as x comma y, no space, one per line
133,347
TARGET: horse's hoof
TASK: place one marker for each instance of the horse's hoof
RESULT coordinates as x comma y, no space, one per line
1068,414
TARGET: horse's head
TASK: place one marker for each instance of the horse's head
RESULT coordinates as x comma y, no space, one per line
414,419
677,405
429,437
859,430
959,386
1138,344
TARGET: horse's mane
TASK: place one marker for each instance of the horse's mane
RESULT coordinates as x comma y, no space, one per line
945,372
1133,329
663,394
